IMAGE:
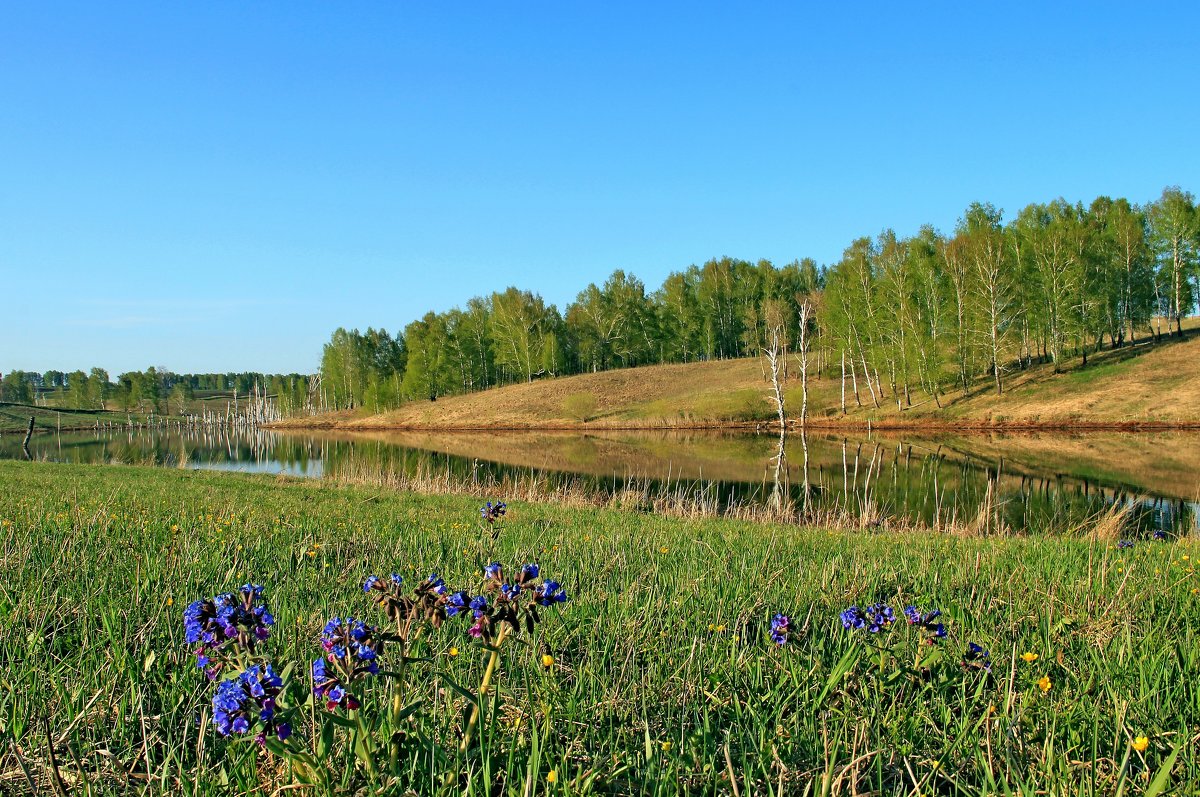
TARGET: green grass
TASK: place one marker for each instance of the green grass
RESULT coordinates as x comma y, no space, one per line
664,681
14,418
52,413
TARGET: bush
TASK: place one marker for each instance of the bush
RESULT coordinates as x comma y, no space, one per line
580,406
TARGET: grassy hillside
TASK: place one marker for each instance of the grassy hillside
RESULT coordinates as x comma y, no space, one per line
51,413
14,418
660,677
1142,385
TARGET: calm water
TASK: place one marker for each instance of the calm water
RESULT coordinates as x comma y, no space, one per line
1023,482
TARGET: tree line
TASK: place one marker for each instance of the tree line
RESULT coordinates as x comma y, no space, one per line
705,312
932,312
153,389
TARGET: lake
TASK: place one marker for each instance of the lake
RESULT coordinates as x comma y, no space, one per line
1010,482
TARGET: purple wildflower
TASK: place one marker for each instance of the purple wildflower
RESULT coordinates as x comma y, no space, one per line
225,625
780,625
249,699
493,512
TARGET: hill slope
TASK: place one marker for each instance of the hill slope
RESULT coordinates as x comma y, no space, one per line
1147,385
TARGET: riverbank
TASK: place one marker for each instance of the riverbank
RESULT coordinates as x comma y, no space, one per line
1136,388
661,669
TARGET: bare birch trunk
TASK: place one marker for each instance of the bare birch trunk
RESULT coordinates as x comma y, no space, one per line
843,381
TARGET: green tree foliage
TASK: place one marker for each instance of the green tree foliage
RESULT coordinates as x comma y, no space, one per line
19,386
527,335
903,316
1174,229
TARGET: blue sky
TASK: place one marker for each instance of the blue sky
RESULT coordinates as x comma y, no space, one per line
218,186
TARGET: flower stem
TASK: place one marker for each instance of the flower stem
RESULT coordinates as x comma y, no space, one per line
362,744
398,704
483,689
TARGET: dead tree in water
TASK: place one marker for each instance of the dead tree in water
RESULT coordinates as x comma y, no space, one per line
25,442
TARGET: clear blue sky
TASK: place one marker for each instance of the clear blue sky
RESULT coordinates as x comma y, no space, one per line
217,186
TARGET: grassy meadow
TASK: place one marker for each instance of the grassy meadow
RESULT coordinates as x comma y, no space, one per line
661,678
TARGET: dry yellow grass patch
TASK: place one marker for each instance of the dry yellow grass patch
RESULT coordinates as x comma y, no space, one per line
1144,385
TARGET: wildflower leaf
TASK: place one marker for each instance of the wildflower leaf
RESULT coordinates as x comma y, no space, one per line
837,674
936,655
325,742
467,693
409,710
1164,774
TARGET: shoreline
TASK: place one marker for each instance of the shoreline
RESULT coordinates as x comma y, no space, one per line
970,427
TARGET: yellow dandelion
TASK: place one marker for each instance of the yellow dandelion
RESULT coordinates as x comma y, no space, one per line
1029,657
666,747
174,527
311,553
547,661
552,776
1044,684
1185,557
663,549
1141,743
170,601
453,651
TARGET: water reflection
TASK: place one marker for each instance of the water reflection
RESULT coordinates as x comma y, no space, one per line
994,483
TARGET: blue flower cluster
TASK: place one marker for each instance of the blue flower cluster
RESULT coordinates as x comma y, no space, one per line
352,641
514,599
493,512
1123,544
352,651
226,624
874,618
1160,535
928,623
549,593
976,658
328,687
375,582
249,699
780,625
461,602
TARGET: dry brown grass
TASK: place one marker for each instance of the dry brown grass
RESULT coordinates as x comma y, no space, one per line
1144,386
692,394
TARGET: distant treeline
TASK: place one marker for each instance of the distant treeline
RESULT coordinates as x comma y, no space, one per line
932,312
154,389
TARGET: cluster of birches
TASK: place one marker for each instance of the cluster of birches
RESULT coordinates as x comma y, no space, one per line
152,390
933,312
